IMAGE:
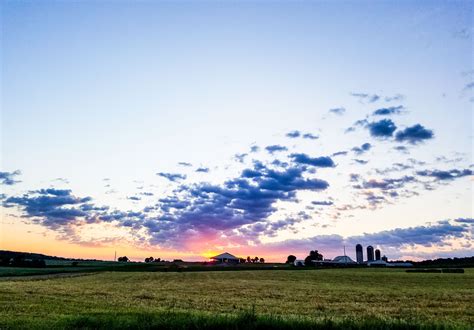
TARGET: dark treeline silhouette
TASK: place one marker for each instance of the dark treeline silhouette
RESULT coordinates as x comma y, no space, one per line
22,260
123,259
291,259
313,256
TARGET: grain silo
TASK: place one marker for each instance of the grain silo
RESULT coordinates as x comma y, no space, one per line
370,253
359,254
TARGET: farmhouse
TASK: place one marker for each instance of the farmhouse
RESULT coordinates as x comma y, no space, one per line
225,258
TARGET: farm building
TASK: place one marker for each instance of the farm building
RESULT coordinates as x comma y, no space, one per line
225,258
343,260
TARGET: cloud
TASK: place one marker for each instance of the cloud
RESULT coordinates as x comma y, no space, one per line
310,136
362,149
322,203
293,134
361,161
365,97
383,128
338,111
203,170
414,134
339,153
134,198
469,86
304,159
7,178
240,157
172,176
210,210
185,164
396,97
275,148
388,111
52,207
254,148
445,175
387,183
394,242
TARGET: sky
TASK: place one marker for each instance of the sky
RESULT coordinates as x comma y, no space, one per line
184,129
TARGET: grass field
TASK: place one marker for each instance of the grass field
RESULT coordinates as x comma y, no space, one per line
330,298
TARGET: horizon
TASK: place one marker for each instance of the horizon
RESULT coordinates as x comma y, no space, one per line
185,130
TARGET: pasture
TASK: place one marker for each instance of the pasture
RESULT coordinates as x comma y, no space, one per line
317,298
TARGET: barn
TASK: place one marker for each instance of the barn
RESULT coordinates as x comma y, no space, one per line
225,258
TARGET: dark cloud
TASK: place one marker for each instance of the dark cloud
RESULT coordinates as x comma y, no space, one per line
293,134
203,170
338,111
275,148
304,159
391,242
208,209
445,175
387,183
383,128
339,153
52,207
361,161
185,164
134,198
310,136
401,149
388,111
172,176
365,97
414,134
254,148
362,149
8,178
240,157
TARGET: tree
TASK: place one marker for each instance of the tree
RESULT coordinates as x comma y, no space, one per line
150,259
262,260
291,259
123,259
313,256
242,260
248,259
255,259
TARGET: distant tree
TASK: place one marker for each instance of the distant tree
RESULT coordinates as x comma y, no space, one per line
74,264
157,260
123,259
262,260
248,259
256,259
178,260
291,259
242,260
150,259
313,256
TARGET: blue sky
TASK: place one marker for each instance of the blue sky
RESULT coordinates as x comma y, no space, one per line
99,97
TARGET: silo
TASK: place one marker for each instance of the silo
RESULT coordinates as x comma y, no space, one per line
370,253
377,254
359,254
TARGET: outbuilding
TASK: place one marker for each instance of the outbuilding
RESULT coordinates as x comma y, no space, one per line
225,258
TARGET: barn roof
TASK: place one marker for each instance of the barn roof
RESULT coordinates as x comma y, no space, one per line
225,255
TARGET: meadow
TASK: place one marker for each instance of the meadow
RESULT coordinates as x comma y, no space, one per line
250,299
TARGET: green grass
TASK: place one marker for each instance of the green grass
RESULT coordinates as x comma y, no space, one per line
312,299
